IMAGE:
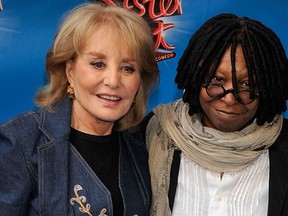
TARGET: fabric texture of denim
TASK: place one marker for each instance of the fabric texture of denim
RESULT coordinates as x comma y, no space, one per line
41,173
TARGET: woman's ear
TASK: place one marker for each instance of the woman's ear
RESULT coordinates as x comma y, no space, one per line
68,71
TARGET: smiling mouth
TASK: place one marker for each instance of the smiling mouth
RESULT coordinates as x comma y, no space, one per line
227,113
109,98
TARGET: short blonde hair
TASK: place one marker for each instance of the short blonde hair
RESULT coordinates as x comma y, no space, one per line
70,41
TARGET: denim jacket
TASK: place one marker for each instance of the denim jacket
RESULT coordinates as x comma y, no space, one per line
41,173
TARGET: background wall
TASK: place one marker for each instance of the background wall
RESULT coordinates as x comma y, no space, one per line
27,29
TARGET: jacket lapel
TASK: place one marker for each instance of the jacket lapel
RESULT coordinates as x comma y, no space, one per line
133,158
53,160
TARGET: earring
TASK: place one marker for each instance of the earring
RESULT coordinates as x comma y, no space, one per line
70,91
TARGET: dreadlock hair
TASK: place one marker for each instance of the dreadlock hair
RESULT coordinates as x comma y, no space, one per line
264,54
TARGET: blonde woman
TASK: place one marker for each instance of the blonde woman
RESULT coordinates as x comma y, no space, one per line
80,152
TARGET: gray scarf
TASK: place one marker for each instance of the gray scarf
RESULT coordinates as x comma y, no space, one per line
213,149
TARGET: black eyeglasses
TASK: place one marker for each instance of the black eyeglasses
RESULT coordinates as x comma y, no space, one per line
217,91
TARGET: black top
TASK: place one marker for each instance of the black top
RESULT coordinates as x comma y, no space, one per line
102,155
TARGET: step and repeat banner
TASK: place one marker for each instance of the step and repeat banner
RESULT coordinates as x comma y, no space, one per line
27,29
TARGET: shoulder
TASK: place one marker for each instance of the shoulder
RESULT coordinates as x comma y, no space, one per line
21,124
285,126
19,139
281,144
133,137
151,119
284,132
145,122
24,133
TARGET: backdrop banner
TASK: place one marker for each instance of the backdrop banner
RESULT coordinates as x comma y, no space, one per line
27,29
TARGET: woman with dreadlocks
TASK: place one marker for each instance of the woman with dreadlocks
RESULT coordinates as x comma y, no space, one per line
224,148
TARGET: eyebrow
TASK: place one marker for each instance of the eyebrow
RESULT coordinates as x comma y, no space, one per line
95,54
101,55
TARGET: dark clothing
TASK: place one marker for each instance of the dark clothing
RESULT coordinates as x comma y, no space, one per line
102,155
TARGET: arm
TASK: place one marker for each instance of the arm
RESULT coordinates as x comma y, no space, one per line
15,184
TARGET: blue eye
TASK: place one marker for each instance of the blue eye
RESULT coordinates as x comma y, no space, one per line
98,65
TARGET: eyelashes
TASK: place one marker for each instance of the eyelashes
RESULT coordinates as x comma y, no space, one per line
126,68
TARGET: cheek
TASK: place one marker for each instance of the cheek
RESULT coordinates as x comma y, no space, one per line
203,94
82,84
204,98
253,107
82,74
85,79
132,85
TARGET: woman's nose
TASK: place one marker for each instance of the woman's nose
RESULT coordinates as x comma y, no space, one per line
229,98
112,78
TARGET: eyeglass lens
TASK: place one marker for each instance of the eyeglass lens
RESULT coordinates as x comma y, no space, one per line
217,91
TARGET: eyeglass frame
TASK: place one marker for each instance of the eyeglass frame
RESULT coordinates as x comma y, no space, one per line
253,95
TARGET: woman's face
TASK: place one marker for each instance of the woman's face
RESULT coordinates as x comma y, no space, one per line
105,79
227,114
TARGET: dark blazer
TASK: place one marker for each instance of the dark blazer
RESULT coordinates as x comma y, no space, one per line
278,179
41,173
